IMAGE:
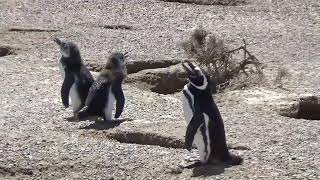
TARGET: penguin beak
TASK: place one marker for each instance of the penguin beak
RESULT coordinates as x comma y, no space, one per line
58,41
189,67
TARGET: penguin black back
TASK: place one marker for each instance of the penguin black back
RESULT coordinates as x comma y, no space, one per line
77,78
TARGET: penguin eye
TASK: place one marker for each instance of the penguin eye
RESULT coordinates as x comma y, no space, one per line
65,46
114,61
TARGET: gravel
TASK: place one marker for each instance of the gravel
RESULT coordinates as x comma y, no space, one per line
37,141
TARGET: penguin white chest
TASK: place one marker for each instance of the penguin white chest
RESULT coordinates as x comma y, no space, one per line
74,98
201,138
109,105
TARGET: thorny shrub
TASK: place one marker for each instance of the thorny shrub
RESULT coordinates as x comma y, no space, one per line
218,61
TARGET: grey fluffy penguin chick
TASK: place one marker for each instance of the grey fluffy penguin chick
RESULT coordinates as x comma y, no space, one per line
106,90
77,79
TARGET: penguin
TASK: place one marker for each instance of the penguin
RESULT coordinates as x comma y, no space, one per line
205,126
77,79
107,90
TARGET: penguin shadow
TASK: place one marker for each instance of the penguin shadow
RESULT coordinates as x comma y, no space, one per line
206,170
72,119
76,119
105,125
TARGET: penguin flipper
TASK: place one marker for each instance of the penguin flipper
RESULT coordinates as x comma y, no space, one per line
120,99
86,75
192,128
96,98
65,89
95,90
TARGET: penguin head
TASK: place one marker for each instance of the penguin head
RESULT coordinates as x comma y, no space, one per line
116,63
67,49
195,75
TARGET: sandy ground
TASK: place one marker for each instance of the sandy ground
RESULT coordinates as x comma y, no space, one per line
37,141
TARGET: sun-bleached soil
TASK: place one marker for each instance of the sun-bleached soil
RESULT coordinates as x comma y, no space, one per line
38,141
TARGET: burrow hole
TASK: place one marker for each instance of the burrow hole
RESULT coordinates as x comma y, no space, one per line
5,51
305,108
145,138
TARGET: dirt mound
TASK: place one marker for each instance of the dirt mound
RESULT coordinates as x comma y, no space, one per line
304,108
162,80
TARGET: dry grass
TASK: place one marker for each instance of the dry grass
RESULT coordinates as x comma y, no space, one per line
211,2
217,59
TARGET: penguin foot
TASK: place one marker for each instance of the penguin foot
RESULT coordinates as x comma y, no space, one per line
72,119
83,113
231,160
234,160
193,165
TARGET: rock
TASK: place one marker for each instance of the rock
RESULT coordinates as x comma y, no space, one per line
162,80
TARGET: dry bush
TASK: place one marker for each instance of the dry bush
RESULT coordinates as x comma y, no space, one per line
217,59
211,2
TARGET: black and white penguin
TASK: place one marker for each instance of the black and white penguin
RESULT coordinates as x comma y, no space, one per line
77,78
106,90
205,125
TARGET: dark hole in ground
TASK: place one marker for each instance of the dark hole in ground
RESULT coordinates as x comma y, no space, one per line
32,30
122,27
211,2
5,51
305,108
145,138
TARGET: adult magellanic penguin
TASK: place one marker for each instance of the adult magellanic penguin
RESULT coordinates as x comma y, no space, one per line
77,78
106,90
205,125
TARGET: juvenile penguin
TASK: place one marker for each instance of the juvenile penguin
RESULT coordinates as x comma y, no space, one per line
205,125
77,78
106,90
